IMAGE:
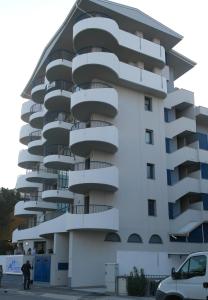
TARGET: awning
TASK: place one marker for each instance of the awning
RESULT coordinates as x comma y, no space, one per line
185,230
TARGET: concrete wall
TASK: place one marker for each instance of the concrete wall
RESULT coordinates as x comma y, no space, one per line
88,254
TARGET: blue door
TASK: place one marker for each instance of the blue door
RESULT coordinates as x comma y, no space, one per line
42,268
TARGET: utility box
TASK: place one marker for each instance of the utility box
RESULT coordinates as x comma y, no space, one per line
111,273
122,286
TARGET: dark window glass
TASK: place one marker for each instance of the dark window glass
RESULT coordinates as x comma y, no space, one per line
203,141
196,235
155,239
204,198
167,115
204,171
169,177
149,136
134,238
148,103
170,210
168,145
112,237
151,207
193,267
150,171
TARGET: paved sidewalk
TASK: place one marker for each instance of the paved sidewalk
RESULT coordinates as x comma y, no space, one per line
14,286
66,294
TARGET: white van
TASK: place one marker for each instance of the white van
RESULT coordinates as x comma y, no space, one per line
190,281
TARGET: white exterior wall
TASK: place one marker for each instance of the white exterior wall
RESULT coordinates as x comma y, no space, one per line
88,254
131,159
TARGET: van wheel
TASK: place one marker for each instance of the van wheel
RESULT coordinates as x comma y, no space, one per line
173,298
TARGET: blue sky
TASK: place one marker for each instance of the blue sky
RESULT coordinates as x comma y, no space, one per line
26,26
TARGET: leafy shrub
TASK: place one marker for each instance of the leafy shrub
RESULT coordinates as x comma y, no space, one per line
136,283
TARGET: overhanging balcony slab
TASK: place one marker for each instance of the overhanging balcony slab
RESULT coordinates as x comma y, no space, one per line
103,179
103,101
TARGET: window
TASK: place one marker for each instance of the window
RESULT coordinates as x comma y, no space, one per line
112,237
151,207
203,141
148,103
195,266
204,171
167,115
155,239
134,238
63,180
149,136
150,171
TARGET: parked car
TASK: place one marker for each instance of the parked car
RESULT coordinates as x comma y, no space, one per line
190,281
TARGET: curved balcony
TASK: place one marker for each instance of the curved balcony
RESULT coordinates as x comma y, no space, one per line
95,63
25,111
41,174
39,206
95,175
95,30
38,90
20,211
36,147
58,96
98,218
58,157
59,65
94,98
57,127
93,135
58,196
27,160
25,234
37,114
24,186
25,133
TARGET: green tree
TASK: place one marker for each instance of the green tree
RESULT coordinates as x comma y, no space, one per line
8,199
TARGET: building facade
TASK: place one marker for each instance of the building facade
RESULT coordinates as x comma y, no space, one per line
116,157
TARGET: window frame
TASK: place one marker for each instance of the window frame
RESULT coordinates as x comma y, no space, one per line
137,238
151,173
147,106
188,274
116,236
158,242
149,137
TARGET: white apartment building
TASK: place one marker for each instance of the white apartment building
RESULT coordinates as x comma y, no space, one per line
116,156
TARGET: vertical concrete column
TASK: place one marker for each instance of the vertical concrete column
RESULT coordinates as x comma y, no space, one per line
139,34
140,64
157,71
70,245
60,260
156,41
